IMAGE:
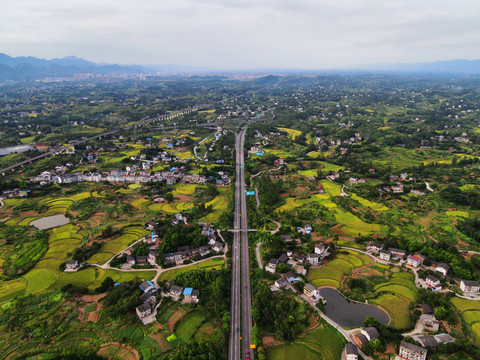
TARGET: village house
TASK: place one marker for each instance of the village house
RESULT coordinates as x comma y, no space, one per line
147,286
414,261
427,341
141,260
152,257
442,268
130,260
203,251
429,322
319,249
150,225
143,310
433,283
384,255
218,247
176,290
191,295
410,351
351,352
397,253
469,286
313,258
311,292
397,189
366,335
71,266
281,283
272,265
168,258
286,238
374,247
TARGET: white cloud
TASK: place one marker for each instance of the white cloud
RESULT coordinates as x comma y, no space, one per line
243,33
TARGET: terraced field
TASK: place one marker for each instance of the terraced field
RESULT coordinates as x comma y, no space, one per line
397,308
323,343
334,271
292,133
470,312
219,205
114,246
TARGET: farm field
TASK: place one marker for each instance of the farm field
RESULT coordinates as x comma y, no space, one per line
170,274
333,272
323,343
396,307
470,312
219,205
292,133
128,236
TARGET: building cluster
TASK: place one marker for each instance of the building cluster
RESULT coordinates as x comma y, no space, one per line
190,295
415,262
184,253
146,312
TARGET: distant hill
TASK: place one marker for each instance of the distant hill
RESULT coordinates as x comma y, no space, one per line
459,67
31,68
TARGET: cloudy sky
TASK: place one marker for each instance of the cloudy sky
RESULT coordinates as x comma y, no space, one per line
232,34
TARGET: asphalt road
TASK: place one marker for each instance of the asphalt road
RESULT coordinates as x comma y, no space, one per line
241,300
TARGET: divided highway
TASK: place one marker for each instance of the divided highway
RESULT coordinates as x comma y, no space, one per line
241,297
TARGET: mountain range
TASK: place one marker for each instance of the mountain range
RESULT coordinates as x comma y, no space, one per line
32,68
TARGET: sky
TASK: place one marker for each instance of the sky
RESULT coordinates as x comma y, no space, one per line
243,34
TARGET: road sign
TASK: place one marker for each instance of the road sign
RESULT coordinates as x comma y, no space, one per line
252,346
249,192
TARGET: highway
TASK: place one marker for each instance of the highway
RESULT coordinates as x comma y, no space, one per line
241,297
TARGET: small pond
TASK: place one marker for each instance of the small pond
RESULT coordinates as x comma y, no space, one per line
49,222
15,149
348,313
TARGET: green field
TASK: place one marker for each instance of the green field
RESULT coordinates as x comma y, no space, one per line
458,213
370,204
323,343
324,273
212,263
38,280
331,167
308,173
170,274
470,312
397,308
397,289
219,205
186,328
114,246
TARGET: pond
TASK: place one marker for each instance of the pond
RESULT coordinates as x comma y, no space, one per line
347,313
49,222
15,149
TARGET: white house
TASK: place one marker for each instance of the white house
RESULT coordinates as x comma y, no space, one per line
272,265
412,352
319,249
415,261
313,258
468,286
351,352
384,255
442,269
311,291
143,311
433,283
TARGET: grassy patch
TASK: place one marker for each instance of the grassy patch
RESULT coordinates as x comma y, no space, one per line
292,133
170,274
38,280
458,213
397,308
324,273
187,327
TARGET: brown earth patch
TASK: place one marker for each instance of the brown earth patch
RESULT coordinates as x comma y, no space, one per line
269,341
158,337
175,317
123,351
